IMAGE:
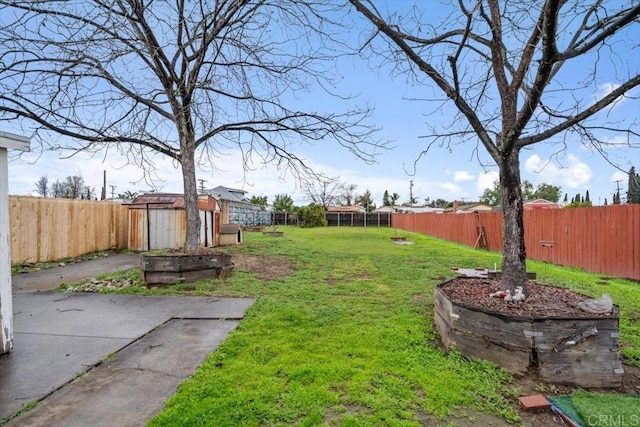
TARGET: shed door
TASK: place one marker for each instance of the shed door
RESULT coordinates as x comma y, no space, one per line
163,230
207,228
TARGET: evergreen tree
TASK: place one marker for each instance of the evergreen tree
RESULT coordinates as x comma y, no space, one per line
566,197
605,201
386,199
586,197
366,201
633,190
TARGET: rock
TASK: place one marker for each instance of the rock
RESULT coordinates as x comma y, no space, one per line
598,306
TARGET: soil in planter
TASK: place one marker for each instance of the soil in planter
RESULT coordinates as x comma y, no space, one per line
541,301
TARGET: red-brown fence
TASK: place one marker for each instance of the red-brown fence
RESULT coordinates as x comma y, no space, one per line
603,239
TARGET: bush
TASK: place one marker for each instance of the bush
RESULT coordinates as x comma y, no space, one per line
312,216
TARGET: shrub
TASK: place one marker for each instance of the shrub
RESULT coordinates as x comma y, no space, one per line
312,216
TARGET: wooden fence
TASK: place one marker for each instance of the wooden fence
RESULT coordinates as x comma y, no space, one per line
603,239
46,229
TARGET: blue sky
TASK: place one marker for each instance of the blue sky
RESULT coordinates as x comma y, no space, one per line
442,173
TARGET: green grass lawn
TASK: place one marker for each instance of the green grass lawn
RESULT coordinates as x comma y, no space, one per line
347,338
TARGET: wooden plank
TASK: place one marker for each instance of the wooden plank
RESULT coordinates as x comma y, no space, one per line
582,366
184,263
550,333
513,360
167,278
494,327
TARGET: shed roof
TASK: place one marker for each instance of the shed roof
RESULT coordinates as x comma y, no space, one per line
229,228
169,201
158,201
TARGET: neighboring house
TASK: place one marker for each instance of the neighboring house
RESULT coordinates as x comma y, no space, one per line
471,208
236,208
533,205
536,204
346,209
416,209
385,209
158,221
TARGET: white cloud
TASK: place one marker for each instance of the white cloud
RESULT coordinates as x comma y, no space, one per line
576,174
485,180
462,176
619,176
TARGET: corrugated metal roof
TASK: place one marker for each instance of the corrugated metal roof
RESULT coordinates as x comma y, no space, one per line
170,201
158,201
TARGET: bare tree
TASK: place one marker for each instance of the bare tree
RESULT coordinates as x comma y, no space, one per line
323,191
74,187
42,186
188,80
348,194
503,65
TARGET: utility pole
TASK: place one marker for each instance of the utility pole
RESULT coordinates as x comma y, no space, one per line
411,193
202,181
616,196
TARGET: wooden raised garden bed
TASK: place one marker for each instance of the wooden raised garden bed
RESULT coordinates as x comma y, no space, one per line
179,268
573,350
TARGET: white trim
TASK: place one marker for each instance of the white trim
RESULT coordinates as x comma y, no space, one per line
14,142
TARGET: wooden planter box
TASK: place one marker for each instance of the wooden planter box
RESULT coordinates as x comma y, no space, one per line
172,269
581,352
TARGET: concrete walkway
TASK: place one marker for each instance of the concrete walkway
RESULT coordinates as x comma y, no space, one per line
104,360
43,280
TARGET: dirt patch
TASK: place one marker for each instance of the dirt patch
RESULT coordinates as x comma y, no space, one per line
266,267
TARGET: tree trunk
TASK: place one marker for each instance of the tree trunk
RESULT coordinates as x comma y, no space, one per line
192,240
514,268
